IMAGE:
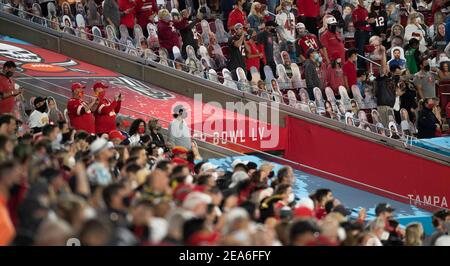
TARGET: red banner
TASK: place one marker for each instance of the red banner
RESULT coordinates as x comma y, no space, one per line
367,165
54,73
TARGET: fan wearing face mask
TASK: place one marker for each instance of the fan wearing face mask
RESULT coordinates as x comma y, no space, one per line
7,88
105,110
79,111
332,40
39,117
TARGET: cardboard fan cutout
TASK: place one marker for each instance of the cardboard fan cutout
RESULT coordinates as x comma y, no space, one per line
221,34
344,98
320,103
212,75
228,79
243,83
331,98
256,77
304,97
283,80
276,93
152,40
357,96
297,81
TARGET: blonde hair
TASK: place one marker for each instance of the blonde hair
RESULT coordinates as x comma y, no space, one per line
413,234
163,13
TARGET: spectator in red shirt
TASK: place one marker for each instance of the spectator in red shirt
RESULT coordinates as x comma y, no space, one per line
253,54
335,74
332,40
79,111
350,69
145,12
238,15
309,10
7,88
360,17
307,40
105,111
128,10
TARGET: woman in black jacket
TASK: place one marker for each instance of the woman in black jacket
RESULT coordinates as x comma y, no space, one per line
407,101
428,123
154,127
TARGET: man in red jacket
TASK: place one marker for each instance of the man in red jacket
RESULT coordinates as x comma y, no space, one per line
238,15
105,111
309,10
145,12
8,91
79,111
127,10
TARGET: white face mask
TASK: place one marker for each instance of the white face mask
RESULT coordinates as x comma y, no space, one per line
288,8
342,235
215,175
384,236
160,151
89,213
189,179
291,197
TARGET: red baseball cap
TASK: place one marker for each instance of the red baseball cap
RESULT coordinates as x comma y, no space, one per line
77,85
115,134
303,212
126,123
99,84
179,150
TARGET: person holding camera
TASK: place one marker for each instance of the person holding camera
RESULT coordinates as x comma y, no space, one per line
238,48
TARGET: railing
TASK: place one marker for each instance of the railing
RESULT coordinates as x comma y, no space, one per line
254,151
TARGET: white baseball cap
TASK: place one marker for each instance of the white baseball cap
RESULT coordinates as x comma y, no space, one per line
300,25
207,167
98,145
238,177
331,20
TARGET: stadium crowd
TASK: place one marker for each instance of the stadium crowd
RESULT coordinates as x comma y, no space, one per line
288,51
92,174
100,179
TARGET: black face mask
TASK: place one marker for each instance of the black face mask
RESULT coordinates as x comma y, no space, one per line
376,8
427,68
396,78
332,28
42,109
126,201
9,74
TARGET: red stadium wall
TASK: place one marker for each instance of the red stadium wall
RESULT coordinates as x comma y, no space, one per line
385,171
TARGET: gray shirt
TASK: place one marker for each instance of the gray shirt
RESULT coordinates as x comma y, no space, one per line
111,11
427,81
311,76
